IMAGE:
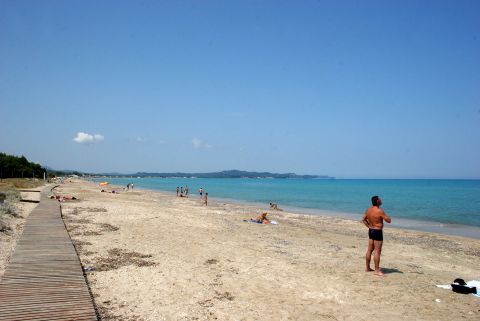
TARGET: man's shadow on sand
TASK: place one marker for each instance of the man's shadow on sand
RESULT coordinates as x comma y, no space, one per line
389,271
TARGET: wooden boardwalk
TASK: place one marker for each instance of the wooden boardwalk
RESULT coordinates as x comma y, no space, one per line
44,279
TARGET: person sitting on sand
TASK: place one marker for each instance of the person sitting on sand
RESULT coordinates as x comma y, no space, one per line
373,219
262,218
275,207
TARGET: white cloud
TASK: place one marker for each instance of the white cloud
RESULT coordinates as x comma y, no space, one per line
84,138
198,143
139,139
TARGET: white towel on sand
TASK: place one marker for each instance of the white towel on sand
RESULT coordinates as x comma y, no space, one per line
476,284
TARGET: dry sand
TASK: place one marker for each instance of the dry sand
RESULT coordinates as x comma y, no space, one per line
159,257
9,239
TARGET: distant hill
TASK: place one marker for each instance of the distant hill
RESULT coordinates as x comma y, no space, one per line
226,174
62,172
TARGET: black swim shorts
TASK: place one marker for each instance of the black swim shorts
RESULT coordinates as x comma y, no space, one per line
376,235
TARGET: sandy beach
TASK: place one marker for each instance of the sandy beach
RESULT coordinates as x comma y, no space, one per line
154,256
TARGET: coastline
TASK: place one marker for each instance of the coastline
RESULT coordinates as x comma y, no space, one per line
323,199
153,256
398,223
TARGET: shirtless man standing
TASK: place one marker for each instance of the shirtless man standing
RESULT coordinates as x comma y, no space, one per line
373,219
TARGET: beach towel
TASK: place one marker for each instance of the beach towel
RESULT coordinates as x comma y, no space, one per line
255,221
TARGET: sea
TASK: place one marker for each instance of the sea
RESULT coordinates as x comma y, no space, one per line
435,205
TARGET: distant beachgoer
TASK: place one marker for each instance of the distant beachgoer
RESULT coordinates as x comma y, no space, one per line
178,190
373,219
131,185
205,199
128,186
262,218
200,191
181,190
275,207
62,198
186,190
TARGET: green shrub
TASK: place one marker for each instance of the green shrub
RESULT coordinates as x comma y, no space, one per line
4,226
9,209
8,206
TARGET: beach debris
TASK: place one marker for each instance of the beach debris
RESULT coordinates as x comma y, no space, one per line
211,261
91,233
438,300
118,258
108,227
106,313
72,228
79,221
89,269
79,244
224,296
88,209
206,303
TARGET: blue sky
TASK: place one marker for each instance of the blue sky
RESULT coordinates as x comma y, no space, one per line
352,89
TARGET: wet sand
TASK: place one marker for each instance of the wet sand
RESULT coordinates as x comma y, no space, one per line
154,256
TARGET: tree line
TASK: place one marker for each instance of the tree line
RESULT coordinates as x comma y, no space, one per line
19,167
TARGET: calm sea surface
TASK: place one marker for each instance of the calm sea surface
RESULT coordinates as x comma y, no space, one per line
440,201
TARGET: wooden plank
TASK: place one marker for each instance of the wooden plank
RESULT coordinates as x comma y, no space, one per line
44,279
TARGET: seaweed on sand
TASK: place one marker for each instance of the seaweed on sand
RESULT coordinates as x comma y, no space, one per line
118,258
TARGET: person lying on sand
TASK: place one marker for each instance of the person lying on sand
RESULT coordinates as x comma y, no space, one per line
104,191
62,198
262,218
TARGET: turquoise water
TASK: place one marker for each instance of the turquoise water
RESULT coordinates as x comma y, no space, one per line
443,201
